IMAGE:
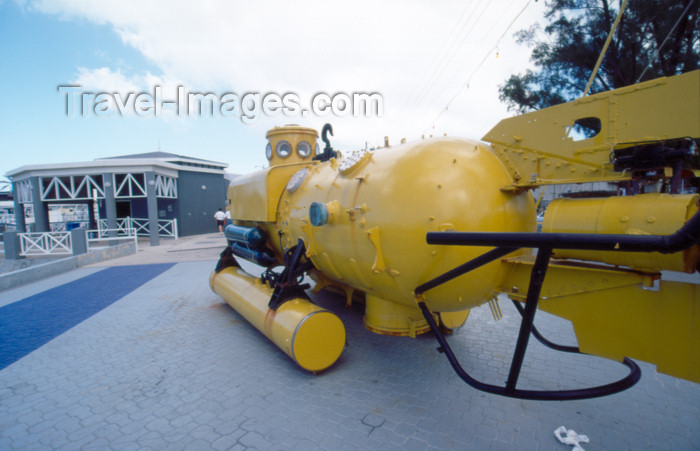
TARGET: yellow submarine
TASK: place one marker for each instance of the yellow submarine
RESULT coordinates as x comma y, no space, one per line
424,231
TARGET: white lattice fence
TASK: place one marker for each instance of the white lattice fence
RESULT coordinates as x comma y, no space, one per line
45,243
166,227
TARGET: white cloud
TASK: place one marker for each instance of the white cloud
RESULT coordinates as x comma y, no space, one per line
407,51
104,79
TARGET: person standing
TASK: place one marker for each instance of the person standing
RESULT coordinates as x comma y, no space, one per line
220,217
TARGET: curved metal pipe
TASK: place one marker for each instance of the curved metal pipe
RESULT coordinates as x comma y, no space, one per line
541,338
539,395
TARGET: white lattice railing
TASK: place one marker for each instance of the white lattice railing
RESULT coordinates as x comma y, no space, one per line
166,227
45,243
122,226
59,243
140,224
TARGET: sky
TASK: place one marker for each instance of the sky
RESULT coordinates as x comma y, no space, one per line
419,56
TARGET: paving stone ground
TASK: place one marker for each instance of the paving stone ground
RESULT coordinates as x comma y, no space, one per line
171,366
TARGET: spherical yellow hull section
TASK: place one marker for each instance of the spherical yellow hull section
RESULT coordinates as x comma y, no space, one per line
380,210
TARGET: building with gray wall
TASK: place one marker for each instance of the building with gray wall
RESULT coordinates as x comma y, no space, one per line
158,193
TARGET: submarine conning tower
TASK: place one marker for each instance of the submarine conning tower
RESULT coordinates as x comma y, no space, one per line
291,144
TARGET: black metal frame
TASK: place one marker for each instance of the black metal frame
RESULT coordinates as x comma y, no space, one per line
287,284
226,260
686,236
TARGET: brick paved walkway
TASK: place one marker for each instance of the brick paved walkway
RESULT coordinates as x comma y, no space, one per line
170,366
32,322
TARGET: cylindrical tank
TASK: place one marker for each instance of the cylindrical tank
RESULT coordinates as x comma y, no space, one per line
372,211
249,236
313,337
644,214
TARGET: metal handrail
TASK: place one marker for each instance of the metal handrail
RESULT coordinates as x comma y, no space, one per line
505,243
111,235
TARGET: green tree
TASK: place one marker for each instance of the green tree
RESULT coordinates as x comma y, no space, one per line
654,38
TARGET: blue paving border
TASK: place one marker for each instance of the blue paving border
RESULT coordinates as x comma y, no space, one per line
30,323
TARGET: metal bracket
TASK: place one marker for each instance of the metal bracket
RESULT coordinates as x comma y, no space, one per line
287,284
379,266
226,260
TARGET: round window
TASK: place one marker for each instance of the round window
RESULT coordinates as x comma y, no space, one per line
304,149
283,149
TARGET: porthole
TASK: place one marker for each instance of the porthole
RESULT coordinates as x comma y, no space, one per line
283,149
304,149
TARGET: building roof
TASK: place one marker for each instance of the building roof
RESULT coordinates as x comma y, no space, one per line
167,156
162,162
171,158
158,154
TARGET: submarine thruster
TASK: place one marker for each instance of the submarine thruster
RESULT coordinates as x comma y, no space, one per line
427,230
